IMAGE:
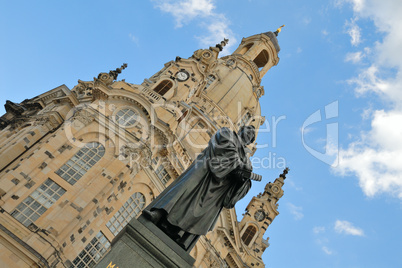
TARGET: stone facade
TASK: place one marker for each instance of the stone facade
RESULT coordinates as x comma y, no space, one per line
76,165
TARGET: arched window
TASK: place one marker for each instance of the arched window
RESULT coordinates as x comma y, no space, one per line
129,210
249,234
210,80
261,59
245,48
81,162
163,87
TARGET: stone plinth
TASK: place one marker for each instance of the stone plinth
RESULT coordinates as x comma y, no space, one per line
141,244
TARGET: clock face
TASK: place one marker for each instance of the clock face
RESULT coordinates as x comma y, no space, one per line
275,189
259,215
182,75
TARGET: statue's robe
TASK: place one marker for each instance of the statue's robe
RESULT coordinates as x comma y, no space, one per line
195,199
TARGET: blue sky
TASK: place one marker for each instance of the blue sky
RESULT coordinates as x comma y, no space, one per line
341,53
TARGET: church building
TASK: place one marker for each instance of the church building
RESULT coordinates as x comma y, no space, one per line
77,165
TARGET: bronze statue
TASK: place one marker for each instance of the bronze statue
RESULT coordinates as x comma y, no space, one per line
219,177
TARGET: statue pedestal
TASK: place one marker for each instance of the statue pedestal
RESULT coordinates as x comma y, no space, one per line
142,244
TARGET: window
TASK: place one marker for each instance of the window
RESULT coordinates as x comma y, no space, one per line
126,117
129,210
93,252
163,87
81,162
245,119
261,59
249,234
210,80
38,202
155,160
259,215
162,174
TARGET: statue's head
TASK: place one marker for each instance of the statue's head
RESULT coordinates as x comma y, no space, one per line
247,134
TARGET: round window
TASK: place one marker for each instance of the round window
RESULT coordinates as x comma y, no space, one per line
126,117
259,215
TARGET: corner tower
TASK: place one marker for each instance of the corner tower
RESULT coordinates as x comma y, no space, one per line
259,214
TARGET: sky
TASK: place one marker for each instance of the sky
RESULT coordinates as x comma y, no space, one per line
332,104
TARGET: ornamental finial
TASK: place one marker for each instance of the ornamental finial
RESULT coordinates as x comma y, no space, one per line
285,171
116,72
108,78
278,30
222,44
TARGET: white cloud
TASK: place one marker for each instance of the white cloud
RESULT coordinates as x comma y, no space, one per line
296,211
323,241
357,57
133,38
202,11
186,10
354,31
306,20
375,159
327,250
369,80
306,130
373,156
354,57
318,229
357,4
217,31
367,113
345,227
291,183
325,32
